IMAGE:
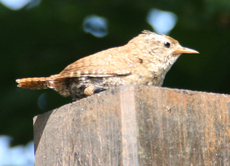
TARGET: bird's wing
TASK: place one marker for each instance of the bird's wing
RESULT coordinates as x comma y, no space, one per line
111,62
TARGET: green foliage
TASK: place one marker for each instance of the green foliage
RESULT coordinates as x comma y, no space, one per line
42,40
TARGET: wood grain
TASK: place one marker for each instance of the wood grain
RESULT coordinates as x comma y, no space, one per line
136,125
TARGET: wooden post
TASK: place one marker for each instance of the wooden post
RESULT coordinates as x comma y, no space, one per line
136,126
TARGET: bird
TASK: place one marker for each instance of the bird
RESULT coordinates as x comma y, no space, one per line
144,60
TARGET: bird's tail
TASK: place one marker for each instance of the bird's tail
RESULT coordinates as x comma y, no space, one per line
34,83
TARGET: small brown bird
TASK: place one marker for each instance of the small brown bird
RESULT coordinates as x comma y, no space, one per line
144,60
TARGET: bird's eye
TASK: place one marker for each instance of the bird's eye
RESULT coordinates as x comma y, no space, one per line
167,44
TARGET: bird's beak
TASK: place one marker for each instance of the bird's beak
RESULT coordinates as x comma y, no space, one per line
184,50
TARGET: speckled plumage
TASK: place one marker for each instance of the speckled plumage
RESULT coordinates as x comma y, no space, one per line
144,60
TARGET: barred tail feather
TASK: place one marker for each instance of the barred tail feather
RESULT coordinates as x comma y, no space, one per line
33,83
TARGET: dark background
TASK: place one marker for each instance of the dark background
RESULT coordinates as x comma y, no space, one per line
43,39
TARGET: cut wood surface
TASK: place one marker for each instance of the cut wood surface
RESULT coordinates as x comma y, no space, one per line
136,125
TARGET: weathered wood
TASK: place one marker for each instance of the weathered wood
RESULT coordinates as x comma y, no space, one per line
136,125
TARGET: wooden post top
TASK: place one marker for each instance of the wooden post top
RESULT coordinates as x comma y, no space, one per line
136,125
